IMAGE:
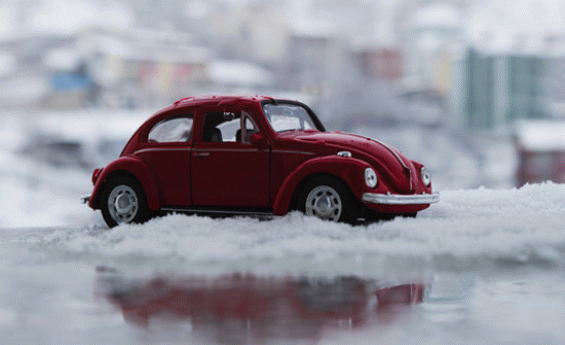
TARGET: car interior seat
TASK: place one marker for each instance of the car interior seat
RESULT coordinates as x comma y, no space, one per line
248,134
212,135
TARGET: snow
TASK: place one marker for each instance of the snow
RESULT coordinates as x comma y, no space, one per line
469,230
493,260
541,135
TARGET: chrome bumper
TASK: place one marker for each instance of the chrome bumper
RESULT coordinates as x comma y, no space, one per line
85,199
396,199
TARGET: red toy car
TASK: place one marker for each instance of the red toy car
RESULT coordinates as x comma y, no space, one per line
258,156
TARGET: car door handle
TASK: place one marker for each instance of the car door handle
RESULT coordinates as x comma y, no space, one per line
201,154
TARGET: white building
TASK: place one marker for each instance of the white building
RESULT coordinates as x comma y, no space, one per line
431,34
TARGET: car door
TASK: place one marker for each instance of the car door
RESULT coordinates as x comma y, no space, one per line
227,170
168,153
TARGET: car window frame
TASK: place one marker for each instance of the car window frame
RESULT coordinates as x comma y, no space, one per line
200,120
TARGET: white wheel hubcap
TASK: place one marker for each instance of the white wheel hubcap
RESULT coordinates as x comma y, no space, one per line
123,204
324,202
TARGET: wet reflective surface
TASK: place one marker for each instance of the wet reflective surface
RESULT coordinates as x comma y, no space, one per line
191,280
252,309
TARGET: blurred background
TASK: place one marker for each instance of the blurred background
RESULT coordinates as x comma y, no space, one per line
475,90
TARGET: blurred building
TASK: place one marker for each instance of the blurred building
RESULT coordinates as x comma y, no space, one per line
102,67
540,145
38,65
381,63
431,33
142,67
255,31
555,75
305,45
318,61
497,89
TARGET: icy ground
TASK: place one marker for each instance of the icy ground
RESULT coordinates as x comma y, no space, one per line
473,230
493,260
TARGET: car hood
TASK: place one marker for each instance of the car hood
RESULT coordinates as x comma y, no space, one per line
398,171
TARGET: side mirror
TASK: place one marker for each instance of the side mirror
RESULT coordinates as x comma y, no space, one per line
259,141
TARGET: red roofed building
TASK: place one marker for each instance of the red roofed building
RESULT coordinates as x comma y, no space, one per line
540,146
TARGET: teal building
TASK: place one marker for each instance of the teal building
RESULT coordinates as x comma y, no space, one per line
496,90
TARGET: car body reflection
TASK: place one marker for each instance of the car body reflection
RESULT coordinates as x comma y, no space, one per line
260,307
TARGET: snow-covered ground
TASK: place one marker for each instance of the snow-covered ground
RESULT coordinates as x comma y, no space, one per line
492,259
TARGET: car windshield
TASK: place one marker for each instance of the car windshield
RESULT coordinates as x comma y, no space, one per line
287,117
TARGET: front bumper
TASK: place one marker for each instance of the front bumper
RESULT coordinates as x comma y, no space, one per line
396,199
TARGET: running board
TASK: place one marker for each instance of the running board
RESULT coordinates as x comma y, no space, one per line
221,212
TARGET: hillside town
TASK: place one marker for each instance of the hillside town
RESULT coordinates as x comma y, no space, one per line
453,77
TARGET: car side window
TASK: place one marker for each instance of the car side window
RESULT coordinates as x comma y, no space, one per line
228,127
221,127
172,130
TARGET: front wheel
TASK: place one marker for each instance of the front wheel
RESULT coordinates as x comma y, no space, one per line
327,198
124,201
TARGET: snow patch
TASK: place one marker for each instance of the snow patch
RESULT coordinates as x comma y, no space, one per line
468,230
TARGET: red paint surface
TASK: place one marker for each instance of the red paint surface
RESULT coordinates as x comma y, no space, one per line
238,174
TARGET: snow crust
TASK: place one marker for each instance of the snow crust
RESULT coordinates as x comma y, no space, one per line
477,230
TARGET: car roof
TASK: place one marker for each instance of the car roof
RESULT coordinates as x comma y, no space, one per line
219,100
216,100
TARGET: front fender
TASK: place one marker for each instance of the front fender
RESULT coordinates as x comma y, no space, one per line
350,170
127,165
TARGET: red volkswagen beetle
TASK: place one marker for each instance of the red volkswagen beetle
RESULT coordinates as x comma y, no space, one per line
257,156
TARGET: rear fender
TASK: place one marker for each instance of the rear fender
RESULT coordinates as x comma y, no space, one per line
127,165
349,170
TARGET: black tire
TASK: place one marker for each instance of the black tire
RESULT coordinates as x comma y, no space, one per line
328,198
124,201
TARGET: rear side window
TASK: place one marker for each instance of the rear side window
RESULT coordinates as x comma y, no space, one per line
172,130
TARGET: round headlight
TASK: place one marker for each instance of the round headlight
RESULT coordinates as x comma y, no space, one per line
370,178
426,176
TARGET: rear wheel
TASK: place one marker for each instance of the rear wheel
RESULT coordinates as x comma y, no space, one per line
124,201
327,198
